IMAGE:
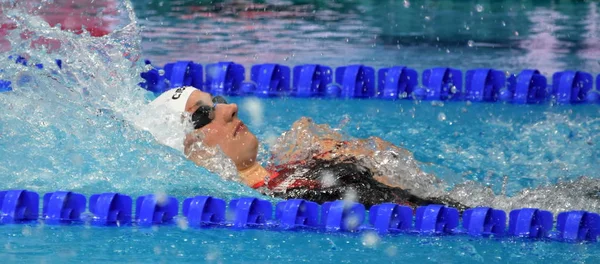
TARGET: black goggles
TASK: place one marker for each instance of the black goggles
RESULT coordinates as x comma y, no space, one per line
205,113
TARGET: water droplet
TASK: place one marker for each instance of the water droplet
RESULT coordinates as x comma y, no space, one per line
350,197
327,179
391,251
256,110
516,33
442,117
26,230
453,89
470,43
182,223
352,222
503,24
161,197
427,18
479,8
370,239
406,4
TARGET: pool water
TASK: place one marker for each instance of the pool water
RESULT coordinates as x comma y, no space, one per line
78,128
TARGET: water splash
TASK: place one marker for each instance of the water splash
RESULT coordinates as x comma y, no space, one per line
398,167
84,126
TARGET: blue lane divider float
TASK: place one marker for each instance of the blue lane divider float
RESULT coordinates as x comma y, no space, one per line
297,213
63,207
173,75
397,82
436,219
183,73
311,80
224,78
110,209
440,84
530,222
152,211
204,210
19,205
115,209
484,85
572,87
154,79
391,218
357,81
578,226
250,212
342,216
484,221
5,86
270,79
528,87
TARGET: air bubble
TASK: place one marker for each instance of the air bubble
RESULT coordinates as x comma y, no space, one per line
442,117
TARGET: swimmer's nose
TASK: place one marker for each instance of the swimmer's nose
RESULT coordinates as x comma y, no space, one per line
229,111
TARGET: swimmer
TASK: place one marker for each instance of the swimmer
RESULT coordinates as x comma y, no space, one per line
332,168
316,163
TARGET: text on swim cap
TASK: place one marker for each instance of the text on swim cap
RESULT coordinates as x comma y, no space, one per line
178,93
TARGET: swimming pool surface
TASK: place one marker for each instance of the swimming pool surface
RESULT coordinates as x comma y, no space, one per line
79,129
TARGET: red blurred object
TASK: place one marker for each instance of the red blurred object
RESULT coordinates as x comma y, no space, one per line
96,17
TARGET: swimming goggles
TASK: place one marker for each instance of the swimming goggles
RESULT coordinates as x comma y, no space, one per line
205,113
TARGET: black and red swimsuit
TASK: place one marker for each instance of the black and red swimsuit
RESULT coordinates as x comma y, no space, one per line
304,180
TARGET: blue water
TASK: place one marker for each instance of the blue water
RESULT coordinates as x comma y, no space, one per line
77,128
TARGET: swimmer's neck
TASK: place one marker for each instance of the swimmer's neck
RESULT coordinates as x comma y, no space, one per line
254,174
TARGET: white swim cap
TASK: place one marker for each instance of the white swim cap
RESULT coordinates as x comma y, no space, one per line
175,99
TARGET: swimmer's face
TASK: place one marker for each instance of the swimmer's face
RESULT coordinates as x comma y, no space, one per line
226,130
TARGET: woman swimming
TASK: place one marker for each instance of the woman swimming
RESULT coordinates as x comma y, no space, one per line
316,163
